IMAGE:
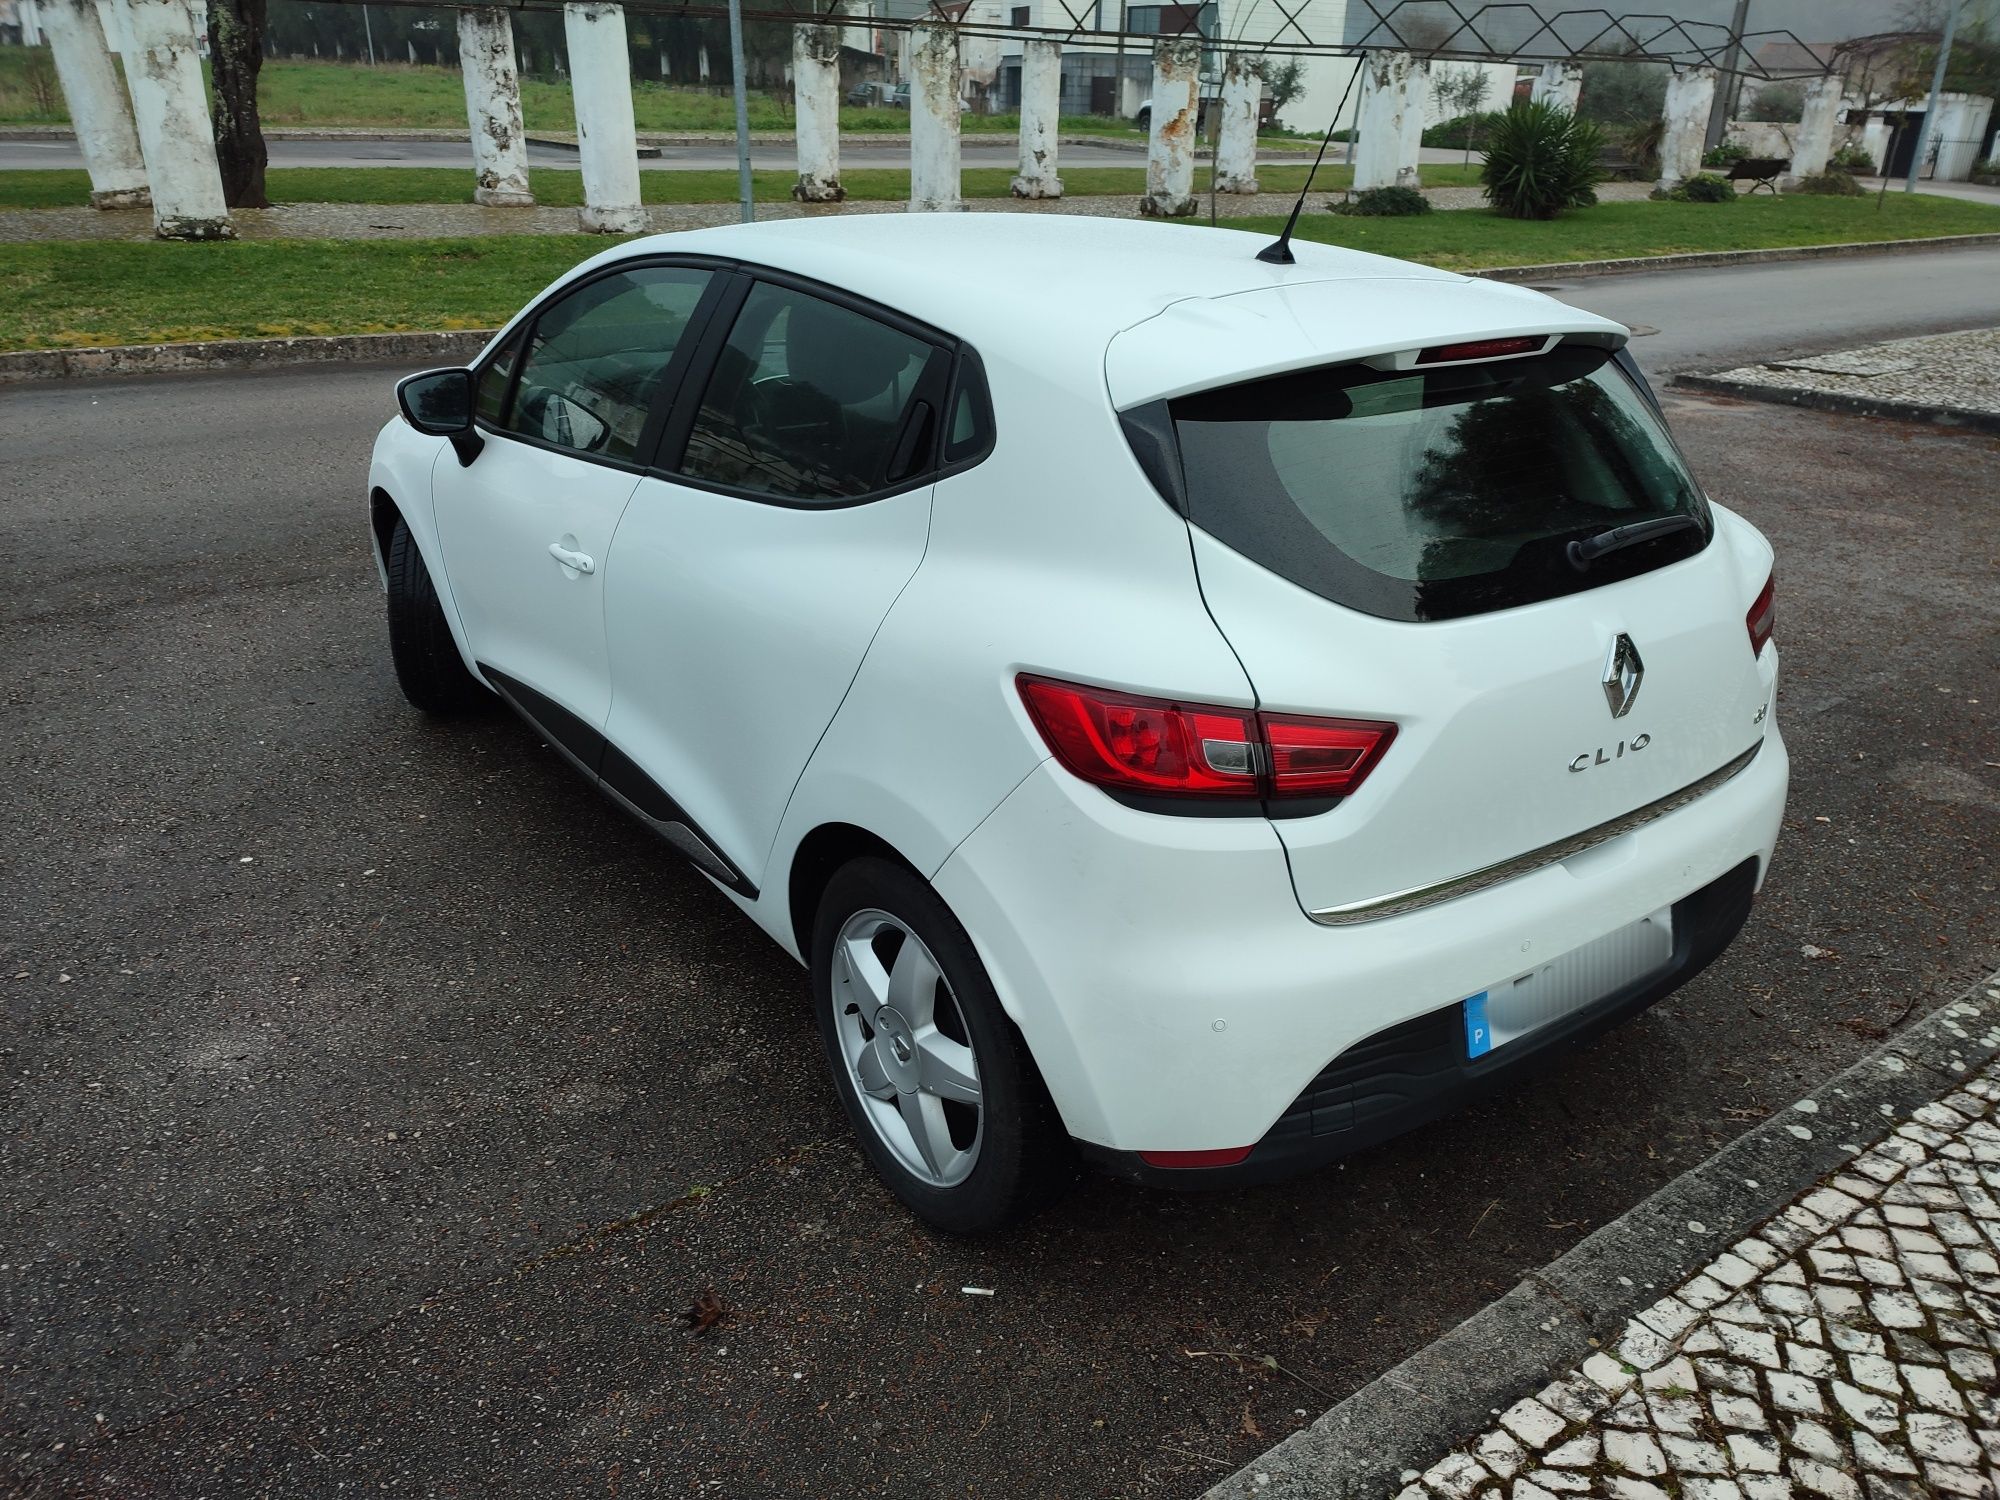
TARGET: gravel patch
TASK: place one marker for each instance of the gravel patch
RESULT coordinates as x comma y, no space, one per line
1951,372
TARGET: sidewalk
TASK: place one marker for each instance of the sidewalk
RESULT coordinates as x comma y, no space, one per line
1949,378
1844,1349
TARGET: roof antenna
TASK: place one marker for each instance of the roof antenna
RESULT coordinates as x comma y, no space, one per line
1279,251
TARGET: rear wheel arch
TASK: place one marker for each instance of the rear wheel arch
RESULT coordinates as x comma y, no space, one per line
819,856
383,514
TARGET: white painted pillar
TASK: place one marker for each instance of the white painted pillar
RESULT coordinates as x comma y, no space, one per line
493,108
1812,145
170,107
934,85
1236,136
1560,84
1041,119
1392,121
816,88
97,107
1690,93
1170,144
600,76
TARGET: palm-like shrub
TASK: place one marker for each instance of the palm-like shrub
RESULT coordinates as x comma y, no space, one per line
1540,160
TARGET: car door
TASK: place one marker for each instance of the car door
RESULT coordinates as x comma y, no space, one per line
748,577
570,408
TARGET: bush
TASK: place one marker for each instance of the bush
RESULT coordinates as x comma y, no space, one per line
1988,172
1852,158
1778,103
1541,160
1728,154
1385,203
1463,132
1832,183
1704,187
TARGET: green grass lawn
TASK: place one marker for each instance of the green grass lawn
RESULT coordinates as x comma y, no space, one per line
60,295
561,188
299,93
1478,240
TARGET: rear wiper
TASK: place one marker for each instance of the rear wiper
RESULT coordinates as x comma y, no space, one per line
1585,552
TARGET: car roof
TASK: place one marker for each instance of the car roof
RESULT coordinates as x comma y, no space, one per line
1052,291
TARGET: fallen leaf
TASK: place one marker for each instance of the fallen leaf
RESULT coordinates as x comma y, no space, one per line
706,1311
1249,1425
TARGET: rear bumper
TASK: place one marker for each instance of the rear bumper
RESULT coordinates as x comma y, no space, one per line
1177,998
1416,1072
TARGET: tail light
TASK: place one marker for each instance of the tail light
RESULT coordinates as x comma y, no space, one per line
1154,745
1763,617
1227,1156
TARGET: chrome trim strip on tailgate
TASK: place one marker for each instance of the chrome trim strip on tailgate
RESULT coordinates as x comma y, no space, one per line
1397,903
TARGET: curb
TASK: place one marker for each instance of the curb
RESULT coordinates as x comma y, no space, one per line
1556,1317
1846,405
211,355
1704,258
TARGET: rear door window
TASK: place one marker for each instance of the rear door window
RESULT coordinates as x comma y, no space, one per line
811,402
1429,494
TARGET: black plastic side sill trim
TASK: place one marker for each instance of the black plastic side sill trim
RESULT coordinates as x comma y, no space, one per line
619,777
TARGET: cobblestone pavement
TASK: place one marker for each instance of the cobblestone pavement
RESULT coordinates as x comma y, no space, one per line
427,220
1845,1350
1955,371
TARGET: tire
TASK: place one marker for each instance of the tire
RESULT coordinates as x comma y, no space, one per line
975,1168
1144,119
429,669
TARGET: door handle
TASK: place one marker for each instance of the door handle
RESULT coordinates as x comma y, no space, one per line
581,561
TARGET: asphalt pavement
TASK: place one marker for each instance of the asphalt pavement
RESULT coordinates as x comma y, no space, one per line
383,1111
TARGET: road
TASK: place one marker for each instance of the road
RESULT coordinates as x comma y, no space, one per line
1713,319
378,1103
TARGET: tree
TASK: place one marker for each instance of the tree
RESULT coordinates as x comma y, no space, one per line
1284,79
1778,103
1463,93
236,46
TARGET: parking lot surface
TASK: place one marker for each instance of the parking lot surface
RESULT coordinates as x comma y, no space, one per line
381,1110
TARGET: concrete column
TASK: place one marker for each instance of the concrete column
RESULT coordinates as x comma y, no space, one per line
1236,136
1170,146
934,85
1560,84
1041,119
1690,93
170,106
1813,142
493,108
1392,121
97,107
816,87
600,77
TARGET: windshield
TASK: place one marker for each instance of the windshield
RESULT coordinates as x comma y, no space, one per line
1431,494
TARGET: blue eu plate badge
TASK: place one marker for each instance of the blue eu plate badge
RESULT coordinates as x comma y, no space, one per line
1478,1035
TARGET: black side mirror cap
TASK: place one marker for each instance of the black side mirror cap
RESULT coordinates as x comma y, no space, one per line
439,403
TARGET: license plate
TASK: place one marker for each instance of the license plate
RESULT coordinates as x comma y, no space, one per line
1574,981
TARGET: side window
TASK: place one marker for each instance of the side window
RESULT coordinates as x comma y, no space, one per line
971,430
491,392
810,401
591,369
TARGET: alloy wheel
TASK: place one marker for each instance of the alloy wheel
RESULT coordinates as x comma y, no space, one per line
907,1048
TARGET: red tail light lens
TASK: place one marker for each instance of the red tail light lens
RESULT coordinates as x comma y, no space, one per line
1143,744
1763,616
1322,757
1157,746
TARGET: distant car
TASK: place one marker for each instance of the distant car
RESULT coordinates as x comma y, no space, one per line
872,94
1204,714
1210,102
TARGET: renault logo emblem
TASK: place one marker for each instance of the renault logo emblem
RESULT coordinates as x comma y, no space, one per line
1623,672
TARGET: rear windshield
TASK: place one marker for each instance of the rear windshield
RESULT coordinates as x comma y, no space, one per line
1433,494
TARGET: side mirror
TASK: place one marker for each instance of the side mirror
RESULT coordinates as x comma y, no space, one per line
439,402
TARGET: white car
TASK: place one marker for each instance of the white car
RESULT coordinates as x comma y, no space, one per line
1201,714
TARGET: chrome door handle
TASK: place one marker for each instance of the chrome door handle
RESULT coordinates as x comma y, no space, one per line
581,561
